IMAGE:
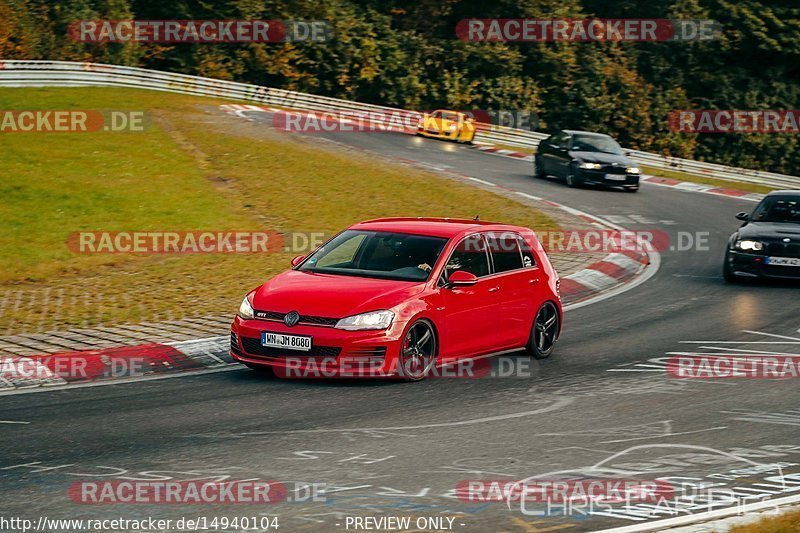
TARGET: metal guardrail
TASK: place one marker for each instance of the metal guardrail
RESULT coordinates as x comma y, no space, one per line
67,73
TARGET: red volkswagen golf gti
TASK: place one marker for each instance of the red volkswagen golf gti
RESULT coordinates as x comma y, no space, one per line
402,297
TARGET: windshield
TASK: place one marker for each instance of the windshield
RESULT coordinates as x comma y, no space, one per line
377,254
778,209
450,116
596,143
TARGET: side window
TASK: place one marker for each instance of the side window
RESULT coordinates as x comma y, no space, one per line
528,259
505,250
470,256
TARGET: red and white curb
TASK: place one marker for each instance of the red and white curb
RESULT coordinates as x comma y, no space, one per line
490,149
119,364
702,188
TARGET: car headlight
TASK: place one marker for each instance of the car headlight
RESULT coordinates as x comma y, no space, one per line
246,310
749,245
632,170
590,165
371,320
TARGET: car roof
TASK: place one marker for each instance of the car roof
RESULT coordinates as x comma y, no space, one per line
587,133
788,192
431,226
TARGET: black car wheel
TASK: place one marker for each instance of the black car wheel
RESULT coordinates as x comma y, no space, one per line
572,181
727,271
544,332
537,168
418,352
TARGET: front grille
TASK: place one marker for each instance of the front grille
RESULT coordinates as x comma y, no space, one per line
254,347
307,320
780,249
235,344
610,169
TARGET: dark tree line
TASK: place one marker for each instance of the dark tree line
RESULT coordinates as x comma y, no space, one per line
406,54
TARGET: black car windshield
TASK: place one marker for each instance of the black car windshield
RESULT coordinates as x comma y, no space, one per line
778,209
377,254
596,143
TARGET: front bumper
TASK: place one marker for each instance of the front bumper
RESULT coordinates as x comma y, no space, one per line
334,353
754,266
603,177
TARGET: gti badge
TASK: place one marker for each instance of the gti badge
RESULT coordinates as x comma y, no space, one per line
291,318
787,239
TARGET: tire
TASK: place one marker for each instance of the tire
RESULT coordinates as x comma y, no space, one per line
727,272
537,169
544,331
571,181
419,351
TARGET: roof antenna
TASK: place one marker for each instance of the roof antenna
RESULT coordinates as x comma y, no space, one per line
477,218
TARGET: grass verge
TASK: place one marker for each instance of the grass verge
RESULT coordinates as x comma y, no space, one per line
785,523
192,169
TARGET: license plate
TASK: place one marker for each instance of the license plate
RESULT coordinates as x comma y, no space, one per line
288,342
616,177
783,261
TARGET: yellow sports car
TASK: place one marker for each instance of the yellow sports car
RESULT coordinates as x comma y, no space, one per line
447,125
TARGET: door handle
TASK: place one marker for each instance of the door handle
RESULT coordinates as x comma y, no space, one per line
494,289
532,281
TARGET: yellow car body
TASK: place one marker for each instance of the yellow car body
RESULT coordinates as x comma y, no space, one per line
447,125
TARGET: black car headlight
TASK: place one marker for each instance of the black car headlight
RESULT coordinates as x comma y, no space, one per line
749,245
590,166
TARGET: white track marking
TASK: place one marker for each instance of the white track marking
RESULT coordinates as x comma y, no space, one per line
532,197
190,373
771,335
559,404
660,525
745,351
13,422
739,342
489,183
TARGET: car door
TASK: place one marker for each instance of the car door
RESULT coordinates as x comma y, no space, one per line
516,275
561,158
545,153
469,314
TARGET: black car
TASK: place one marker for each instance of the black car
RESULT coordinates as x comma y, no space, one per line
768,243
585,158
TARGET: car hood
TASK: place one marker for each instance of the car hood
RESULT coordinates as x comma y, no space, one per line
331,296
599,157
771,230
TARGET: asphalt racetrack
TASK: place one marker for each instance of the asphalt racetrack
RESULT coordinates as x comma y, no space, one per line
602,406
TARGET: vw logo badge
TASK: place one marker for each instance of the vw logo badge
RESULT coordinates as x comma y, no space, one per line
291,318
787,240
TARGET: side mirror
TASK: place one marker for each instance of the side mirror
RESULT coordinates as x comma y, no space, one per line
462,278
297,260
742,216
